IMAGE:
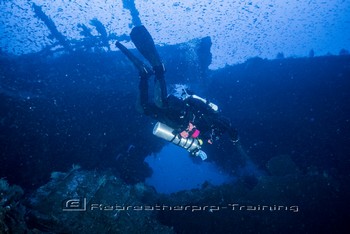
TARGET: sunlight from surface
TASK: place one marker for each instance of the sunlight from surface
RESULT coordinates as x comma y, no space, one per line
239,29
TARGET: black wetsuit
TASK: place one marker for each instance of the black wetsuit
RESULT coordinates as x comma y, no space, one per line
178,113
174,112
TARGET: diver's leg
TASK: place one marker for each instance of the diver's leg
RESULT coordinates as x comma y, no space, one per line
142,99
145,45
160,90
143,105
141,67
144,73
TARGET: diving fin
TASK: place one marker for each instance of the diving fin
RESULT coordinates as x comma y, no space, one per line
145,44
143,69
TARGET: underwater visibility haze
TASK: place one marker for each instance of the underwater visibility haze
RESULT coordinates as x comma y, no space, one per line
77,156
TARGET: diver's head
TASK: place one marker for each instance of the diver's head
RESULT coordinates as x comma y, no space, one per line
181,91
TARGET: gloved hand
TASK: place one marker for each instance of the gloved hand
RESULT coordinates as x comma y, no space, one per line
201,154
234,140
233,135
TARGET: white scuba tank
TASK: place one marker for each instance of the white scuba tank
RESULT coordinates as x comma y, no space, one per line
192,145
164,131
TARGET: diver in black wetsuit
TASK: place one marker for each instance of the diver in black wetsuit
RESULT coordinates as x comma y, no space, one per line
186,122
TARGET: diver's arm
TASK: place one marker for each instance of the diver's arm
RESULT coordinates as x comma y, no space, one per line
224,125
232,132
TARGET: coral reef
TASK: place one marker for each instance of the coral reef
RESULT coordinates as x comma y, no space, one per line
87,201
11,209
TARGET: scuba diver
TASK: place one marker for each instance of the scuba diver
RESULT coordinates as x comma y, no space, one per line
187,122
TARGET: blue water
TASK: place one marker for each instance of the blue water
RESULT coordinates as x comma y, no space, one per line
175,170
67,98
